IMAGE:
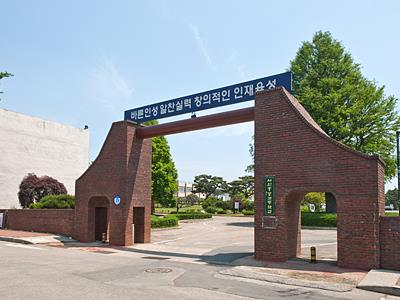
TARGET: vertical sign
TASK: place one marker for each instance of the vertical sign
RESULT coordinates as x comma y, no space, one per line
269,195
1,220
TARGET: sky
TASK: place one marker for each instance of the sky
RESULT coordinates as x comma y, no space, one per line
86,62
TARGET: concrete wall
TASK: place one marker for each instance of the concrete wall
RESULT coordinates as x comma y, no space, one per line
34,145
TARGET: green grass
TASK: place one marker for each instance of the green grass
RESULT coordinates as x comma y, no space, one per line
189,216
391,213
169,210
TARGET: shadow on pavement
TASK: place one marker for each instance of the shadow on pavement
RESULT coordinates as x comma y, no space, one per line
217,258
241,224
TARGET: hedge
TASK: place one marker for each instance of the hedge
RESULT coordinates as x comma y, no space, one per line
167,221
189,216
318,219
248,212
55,201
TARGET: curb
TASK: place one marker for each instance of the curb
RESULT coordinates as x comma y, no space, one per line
286,280
389,290
381,281
318,227
14,240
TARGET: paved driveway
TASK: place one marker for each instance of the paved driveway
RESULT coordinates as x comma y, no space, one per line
226,239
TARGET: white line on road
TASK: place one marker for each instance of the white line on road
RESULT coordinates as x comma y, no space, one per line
23,246
213,228
310,245
167,241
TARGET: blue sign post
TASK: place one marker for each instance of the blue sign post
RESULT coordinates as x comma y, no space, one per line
232,94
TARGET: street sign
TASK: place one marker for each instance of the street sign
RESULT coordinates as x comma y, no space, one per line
269,195
117,199
232,94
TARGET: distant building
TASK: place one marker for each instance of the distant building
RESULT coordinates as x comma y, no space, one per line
33,145
185,188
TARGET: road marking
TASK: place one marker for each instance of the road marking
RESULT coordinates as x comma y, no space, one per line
167,241
326,244
23,246
213,228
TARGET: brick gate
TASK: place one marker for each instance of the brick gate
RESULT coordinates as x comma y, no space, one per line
303,158
288,145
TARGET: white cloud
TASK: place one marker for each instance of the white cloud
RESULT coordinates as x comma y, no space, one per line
241,72
108,86
201,44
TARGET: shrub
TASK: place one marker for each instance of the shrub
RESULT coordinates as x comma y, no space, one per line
318,219
209,202
163,222
33,188
248,212
248,205
55,201
211,209
189,216
221,211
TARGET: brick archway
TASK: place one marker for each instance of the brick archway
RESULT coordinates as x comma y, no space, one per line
288,145
122,168
293,148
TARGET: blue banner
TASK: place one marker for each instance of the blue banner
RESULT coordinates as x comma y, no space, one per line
232,94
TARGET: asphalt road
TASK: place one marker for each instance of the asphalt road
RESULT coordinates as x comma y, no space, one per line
179,264
233,235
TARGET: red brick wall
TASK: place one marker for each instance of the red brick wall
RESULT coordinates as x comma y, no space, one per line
291,146
390,242
57,221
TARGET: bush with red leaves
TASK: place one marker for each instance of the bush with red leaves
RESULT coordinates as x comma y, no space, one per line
33,188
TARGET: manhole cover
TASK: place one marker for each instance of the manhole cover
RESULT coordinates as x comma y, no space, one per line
159,270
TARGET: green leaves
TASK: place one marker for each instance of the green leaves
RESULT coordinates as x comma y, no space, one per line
348,107
3,75
164,173
208,185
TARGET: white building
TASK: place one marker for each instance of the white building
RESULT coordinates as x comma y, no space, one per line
33,145
185,188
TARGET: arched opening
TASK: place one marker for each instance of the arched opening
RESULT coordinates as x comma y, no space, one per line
310,225
98,223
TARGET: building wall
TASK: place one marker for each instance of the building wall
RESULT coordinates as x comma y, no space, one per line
33,145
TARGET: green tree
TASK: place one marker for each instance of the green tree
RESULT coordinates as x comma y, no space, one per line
348,107
164,173
243,186
208,185
391,198
4,75
250,168
314,198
